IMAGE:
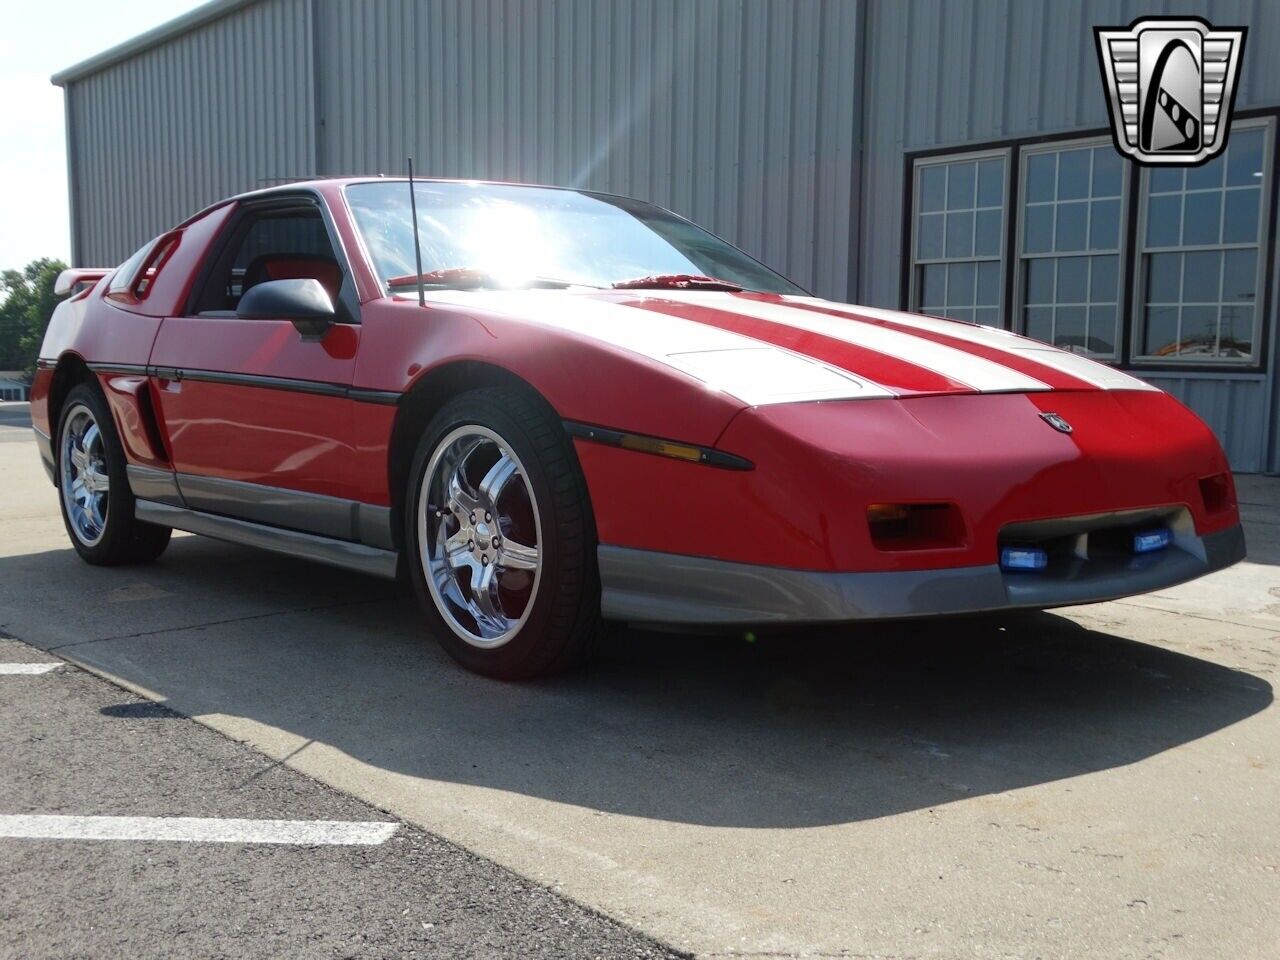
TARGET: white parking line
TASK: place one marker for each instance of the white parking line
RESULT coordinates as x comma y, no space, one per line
27,669
195,830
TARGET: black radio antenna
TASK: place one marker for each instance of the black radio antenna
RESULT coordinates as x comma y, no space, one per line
417,243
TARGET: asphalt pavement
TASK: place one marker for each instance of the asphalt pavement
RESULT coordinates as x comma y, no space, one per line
1095,782
76,747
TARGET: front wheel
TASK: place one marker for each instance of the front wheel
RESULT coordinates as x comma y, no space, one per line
501,539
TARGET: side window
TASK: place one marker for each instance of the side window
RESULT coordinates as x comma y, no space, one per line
272,244
122,279
132,280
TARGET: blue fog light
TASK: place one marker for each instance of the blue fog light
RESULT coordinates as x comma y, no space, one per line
1149,541
1023,558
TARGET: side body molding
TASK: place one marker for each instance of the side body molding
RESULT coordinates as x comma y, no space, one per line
272,507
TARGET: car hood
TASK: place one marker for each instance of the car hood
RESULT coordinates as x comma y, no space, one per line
766,348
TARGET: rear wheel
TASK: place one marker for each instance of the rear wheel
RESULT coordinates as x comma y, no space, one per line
502,547
97,504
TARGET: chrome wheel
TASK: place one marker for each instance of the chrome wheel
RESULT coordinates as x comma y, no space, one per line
86,487
480,536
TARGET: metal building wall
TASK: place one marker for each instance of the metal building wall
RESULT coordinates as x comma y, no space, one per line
739,115
155,137
944,73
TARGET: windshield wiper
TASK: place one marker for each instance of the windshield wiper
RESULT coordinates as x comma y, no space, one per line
677,281
471,278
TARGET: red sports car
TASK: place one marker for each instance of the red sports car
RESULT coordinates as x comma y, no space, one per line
553,407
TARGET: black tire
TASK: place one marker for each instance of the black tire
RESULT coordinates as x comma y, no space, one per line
563,621
124,539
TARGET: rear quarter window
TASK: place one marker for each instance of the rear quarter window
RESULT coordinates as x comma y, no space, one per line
133,278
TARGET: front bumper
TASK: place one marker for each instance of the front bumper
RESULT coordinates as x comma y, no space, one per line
651,587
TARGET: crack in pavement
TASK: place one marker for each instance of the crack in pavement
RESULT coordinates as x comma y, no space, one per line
275,764
1252,622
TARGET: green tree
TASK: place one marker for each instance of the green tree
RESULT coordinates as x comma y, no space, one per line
26,304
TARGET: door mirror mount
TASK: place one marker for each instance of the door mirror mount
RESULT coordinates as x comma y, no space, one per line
303,302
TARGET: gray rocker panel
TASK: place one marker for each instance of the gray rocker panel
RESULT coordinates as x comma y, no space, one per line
652,587
324,516
338,553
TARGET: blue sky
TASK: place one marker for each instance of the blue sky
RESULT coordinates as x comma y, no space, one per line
43,39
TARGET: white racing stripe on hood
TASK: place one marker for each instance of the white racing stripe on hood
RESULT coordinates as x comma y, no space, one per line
984,376
1073,364
755,372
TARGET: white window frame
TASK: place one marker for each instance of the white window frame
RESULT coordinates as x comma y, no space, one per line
1121,253
962,156
1137,327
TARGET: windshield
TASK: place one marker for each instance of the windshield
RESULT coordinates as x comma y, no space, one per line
520,235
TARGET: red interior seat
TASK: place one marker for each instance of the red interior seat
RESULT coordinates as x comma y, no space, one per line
294,266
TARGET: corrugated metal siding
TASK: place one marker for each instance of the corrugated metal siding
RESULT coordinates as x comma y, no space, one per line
947,73
738,115
216,111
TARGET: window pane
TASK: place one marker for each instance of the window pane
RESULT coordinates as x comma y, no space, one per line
1164,221
1040,322
1068,328
1236,335
1207,175
960,182
1040,280
1037,230
1161,338
1164,179
1073,174
1070,231
933,188
1201,277
1164,278
991,183
1240,276
959,235
960,281
1102,330
1107,171
1241,221
1202,218
933,286
1104,279
1104,225
1199,331
987,238
989,284
929,237
1041,175
989,316
1073,280
1244,158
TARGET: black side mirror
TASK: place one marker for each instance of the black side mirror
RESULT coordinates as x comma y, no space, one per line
304,302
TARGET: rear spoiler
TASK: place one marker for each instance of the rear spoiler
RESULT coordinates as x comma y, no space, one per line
68,280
